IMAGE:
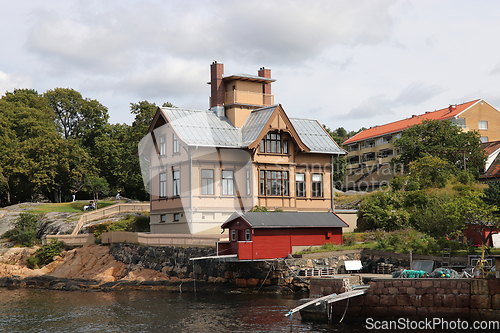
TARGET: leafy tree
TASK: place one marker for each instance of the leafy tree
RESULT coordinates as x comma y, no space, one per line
97,185
339,168
492,193
430,172
383,210
75,116
472,210
444,140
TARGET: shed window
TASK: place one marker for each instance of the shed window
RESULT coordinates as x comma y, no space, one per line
176,217
247,234
233,235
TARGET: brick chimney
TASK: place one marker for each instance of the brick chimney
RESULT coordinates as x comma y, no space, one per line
263,72
217,88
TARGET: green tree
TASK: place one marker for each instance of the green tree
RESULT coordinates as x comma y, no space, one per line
429,172
383,210
492,193
444,140
25,229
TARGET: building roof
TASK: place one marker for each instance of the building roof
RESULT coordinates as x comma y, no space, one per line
450,112
492,168
206,129
288,220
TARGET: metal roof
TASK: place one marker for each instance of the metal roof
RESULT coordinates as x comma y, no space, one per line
206,129
289,219
315,137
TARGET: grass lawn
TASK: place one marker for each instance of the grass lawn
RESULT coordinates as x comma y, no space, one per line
67,207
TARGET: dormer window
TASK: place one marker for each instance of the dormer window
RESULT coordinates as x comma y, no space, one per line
273,144
162,147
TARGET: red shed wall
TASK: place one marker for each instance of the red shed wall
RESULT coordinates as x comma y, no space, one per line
277,243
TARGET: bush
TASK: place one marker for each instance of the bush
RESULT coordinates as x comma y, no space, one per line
402,241
349,239
130,223
25,229
45,255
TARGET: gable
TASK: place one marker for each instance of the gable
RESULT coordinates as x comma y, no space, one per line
279,121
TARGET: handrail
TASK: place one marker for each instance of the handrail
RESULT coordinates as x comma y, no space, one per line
113,209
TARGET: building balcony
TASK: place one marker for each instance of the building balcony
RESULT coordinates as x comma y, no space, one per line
368,149
248,98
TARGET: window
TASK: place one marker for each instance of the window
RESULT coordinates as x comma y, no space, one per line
207,182
163,185
262,145
162,148
300,184
176,175
317,185
175,142
262,183
285,146
248,181
163,218
276,182
273,143
247,234
484,139
176,217
227,182
233,235
483,125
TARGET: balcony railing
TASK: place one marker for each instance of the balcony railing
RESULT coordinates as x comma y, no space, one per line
248,97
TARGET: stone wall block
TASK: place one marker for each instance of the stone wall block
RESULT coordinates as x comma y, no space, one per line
428,300
480,302
494,286
407,283
479,287
427,284
387,300
393,291
410,290
381,312
438,300
372,300
420,291
403,311
462,301
241,283
449,301
403,300
495,302
416,300
436,284
397,283
489,314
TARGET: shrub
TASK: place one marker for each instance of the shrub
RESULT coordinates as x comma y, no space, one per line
25,229
130,223
402,241
45,255
349,239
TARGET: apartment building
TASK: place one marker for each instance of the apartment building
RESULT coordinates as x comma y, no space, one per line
374,146
203,165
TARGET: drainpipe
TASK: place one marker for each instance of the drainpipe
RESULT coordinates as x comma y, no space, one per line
191,187
332,187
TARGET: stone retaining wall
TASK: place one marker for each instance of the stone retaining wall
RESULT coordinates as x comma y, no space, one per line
174,261
474,299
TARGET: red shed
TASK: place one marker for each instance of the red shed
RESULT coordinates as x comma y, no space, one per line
259,235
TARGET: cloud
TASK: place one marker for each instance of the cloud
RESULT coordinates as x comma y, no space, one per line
9,82
414,94
496,70
98,37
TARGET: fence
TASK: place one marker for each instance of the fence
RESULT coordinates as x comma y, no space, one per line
84,239
160,239
109,211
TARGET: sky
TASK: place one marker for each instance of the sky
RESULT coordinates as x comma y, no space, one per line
348,64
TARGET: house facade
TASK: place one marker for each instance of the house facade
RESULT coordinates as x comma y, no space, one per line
259,236
374,146
202,166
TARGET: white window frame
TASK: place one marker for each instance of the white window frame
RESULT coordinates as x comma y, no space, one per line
233,235
317,185
176,183
163,185
163,146
227,181
482,125
247,234
207,182
175,143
